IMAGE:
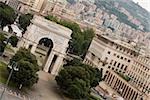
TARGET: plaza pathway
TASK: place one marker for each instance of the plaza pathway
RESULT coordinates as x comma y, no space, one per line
45,89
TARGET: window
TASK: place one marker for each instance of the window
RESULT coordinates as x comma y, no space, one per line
93,56
114,54
122,66
125,68
128,60
115,63
107,71
111,62
121,57
30,46
125,58
106,58
112,68
109,67
118,65
118,56
124,50
116,47
108,52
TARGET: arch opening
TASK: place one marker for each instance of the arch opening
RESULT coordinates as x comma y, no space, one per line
43,51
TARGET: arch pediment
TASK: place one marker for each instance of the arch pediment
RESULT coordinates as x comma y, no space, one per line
51,26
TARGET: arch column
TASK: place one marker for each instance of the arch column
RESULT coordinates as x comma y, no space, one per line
33,48
49,60
58,64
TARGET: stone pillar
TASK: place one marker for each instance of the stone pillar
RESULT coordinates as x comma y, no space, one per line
109,78
134,94
21,43
114,81
33,48
129,93
117,85
57,65
48,62
124,91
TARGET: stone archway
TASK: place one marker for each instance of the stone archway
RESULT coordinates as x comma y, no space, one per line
42,30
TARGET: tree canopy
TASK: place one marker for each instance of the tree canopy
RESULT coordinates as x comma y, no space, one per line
80,41
76,80
7,15
2,44
24,20
13,40
2,37
28,67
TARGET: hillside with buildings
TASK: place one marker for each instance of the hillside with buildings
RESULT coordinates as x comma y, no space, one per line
127,11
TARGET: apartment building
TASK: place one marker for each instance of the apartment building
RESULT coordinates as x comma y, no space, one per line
124,69
108,53
26,6
126,90
139,73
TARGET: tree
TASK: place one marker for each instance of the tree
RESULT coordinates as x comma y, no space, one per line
28,67
2,47
76,81
24,20
2,37
2,44
7,15
13,40
52,18
80,41
27,75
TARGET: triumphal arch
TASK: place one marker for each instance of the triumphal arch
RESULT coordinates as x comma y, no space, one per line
48,41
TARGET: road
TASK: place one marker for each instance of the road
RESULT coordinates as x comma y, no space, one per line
7,96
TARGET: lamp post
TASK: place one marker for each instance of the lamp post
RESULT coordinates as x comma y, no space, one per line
13,67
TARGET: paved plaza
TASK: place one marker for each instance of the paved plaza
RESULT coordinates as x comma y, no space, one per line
45,89
10,96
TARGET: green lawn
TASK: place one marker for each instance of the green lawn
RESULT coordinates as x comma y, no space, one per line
4,74
8,48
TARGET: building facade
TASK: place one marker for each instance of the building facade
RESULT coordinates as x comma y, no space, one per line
12,3
116,54
126,90
124,69
139,73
